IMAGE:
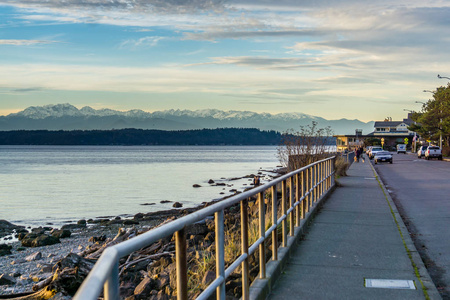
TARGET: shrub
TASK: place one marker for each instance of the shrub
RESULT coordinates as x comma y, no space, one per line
446,151
341,166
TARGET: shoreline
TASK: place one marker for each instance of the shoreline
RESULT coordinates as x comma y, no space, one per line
27,272
224,187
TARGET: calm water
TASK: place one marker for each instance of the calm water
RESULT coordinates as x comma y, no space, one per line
40,184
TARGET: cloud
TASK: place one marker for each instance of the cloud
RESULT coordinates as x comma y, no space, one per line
148,41
28,90
24,42
130,6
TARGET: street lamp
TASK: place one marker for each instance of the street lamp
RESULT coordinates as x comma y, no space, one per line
440,112
414,139
440,77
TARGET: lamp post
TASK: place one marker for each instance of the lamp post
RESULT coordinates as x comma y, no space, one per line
441,77
414,139
440,113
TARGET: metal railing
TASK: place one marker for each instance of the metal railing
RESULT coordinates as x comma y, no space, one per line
300,190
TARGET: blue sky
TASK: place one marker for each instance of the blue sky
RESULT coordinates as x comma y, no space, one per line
360,59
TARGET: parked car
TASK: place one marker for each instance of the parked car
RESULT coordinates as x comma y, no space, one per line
433,152
383,156
401,148
374,150
421,151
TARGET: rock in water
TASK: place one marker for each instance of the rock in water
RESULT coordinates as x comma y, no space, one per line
177,204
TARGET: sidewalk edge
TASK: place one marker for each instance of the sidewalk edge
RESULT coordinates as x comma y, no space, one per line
428,287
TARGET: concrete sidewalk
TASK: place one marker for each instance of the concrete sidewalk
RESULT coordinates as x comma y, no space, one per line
356,236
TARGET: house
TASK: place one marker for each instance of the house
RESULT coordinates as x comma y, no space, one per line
392,133
392,128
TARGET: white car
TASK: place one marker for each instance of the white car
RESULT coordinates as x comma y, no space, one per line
421,151
383,156
433,152
374,150
401,148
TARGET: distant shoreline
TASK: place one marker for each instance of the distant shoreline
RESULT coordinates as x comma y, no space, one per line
141,137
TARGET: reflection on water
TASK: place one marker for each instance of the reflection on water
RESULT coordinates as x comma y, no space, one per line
42,184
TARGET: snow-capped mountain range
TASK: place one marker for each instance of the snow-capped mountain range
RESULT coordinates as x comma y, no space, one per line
69,117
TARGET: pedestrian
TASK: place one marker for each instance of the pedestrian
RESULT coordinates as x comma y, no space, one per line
357,153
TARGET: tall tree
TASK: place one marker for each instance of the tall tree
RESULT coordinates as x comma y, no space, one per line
434,118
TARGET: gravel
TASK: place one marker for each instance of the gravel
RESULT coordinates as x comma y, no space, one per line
28,273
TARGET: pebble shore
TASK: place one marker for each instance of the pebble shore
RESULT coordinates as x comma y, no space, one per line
28,273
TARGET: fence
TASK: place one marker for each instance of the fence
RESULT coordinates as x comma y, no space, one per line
300,190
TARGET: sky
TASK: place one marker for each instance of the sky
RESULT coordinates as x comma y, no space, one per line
354,59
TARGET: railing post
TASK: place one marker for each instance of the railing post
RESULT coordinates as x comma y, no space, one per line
302,204
291,201
313,184
322,172
262,234
244,249
274,222
316,182
297,199
331,172
181,264
284,209
308,188
220,252
112,283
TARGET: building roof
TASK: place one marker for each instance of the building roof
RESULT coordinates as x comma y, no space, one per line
387,124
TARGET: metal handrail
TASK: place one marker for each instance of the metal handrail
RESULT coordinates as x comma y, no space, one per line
307,185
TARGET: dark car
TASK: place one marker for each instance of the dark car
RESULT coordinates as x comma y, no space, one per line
382,156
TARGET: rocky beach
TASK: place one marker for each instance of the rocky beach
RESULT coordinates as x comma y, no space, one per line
39,262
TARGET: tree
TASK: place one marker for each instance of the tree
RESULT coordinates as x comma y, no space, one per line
434,118
303,147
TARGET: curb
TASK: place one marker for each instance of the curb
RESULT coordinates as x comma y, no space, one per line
428,286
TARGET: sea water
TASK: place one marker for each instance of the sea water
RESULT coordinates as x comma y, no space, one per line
54,184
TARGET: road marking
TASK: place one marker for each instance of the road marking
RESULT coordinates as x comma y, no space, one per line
390,284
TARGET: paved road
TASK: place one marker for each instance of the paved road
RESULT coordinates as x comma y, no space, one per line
421,191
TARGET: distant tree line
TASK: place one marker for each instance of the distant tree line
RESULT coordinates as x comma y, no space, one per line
223,136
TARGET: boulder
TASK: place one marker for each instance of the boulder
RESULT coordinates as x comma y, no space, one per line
5,249
177,205
130,222
73,226
35,240
61,233
33,257
7,228
196,185
210,181
7,280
